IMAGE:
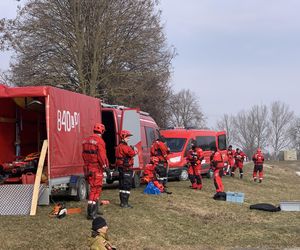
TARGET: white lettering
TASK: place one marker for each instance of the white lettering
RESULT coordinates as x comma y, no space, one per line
68,121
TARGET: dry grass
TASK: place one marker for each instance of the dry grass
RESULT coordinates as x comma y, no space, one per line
187,219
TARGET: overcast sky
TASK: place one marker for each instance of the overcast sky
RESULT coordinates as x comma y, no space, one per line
232,53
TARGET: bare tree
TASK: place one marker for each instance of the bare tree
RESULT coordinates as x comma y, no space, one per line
227,123
294,134
185,110
261,127
281,119
115,50
244,132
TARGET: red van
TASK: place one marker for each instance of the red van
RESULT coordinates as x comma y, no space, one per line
144,130
179,142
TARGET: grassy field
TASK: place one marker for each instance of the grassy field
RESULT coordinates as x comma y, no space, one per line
187,219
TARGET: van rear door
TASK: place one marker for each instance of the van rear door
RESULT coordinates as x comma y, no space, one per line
130,120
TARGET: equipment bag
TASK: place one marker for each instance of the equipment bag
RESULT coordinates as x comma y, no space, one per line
265,207
220,196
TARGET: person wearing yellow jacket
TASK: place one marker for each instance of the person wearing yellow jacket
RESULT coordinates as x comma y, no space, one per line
99,239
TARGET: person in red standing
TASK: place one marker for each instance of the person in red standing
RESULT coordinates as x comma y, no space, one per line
217,164
239,158
194,159
230,155
258,159
95,161
160,150
124,156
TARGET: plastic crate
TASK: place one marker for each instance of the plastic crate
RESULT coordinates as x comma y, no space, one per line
290,205
235,197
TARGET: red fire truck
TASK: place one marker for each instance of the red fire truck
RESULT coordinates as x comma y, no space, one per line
29,115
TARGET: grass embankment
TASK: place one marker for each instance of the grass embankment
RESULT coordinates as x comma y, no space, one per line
187,219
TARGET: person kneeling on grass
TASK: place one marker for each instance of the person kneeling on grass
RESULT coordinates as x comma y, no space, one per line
99,239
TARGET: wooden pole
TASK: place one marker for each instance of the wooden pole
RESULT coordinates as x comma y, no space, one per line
38,177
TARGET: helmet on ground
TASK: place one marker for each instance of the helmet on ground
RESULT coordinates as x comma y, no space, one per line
99,128
124,134
154,159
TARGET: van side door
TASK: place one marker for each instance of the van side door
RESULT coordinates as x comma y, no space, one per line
206,143
222,144
130,120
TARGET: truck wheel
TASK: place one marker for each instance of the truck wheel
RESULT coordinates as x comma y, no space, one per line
109,181
136,180
82,189
210,174
184,176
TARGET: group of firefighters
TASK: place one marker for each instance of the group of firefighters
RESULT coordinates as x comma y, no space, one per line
96,162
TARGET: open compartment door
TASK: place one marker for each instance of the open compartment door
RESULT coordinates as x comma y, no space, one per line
130,121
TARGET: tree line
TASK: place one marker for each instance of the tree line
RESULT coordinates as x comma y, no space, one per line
272,127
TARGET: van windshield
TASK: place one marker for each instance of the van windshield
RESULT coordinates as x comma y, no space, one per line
175,144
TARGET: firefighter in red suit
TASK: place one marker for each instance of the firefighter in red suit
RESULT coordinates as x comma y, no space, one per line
258,159
150,173
124,156
161,151
239,158
230,155
194,159
95,161
217,164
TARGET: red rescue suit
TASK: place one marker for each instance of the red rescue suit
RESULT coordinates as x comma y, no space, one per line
217,164
160,150
258,159
194,159
95,160
239,157
124,162
150,176
230,155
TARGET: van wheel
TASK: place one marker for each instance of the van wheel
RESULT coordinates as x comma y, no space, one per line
82,189
210,174
136,180
184,176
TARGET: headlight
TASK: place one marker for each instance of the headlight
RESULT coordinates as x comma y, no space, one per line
175,159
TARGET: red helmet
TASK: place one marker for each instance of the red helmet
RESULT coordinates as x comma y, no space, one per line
124,134
99,127
154,159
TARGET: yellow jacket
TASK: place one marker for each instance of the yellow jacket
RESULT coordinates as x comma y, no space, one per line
100,242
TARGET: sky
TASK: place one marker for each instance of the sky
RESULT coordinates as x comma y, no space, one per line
232,54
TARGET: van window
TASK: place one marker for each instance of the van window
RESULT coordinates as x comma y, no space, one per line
222,142
206,143
150,134
175,144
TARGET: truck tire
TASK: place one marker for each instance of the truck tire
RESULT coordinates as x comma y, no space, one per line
184,176
109,181
136,180
82,189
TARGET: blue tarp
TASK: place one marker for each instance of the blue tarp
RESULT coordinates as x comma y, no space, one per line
151,189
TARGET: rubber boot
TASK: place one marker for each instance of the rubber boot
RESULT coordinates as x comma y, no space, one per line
255,179
127,205
260,180
199,186
98,211
122,200
194,185
241,175
90,212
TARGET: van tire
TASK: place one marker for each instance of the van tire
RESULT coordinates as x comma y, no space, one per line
136,180
184,176
82,189
210,174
